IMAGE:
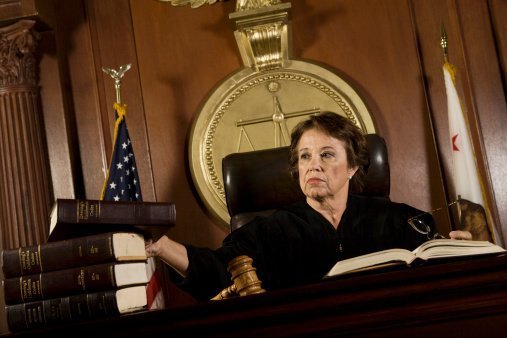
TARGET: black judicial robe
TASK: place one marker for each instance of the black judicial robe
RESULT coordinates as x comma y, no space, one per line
297,245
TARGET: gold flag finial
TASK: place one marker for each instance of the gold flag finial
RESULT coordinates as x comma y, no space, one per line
117,75
443,40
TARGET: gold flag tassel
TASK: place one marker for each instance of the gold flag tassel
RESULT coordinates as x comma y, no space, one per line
121,111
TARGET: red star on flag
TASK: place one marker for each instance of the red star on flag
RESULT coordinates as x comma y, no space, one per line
454,146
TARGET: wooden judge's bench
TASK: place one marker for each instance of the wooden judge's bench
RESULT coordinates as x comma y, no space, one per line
461,298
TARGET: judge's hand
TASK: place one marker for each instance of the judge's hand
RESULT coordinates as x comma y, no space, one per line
171,252
151,248
460,234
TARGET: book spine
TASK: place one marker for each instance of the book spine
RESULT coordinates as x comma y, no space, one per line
109,212
81,251
59,283
56,311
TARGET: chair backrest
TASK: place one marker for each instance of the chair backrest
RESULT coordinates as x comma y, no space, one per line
259,182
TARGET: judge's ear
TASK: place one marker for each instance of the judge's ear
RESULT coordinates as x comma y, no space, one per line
352,171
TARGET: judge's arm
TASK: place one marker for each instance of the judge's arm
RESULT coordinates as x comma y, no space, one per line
171,252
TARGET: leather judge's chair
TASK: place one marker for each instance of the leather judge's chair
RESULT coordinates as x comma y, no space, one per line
258,182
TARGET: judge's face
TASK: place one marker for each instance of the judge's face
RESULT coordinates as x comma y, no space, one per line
323,167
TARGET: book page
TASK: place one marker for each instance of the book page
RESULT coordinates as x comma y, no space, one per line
450,248
372,260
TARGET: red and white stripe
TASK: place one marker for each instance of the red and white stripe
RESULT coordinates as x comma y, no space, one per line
154,291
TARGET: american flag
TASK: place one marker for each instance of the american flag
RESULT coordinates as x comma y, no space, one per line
122,181
122,184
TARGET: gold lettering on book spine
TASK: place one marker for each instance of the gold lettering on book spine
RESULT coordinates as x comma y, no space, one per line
81,279
38,259
22,260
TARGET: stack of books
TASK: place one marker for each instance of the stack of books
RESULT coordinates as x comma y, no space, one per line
93,265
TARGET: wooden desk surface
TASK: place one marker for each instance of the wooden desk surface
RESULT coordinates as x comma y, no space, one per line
462,298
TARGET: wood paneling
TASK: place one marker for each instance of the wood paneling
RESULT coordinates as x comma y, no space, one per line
183,54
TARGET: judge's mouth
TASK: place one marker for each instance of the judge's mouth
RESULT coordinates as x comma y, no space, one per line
314,180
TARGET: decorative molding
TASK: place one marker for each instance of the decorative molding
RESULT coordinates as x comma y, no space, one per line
17,62
241,5
263,35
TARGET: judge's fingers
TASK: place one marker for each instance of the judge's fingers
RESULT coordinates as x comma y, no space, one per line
460,234
151,249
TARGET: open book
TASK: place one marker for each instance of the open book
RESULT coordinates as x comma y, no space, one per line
436,248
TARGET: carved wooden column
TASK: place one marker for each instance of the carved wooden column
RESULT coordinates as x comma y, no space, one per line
25,189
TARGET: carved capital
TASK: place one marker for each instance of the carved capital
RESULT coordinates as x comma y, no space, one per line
17,62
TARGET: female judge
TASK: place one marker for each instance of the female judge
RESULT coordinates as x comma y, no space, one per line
301,242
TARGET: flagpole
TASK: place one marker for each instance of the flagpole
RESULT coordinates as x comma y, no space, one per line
443,41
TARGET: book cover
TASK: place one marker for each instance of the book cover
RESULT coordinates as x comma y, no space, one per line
79,251
433,249
80,217
75,308
73,281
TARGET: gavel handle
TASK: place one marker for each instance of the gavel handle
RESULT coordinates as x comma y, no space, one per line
244,279
226,293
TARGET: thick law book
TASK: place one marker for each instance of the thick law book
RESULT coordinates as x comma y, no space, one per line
79,251
61,283
80,217
433,249
75,308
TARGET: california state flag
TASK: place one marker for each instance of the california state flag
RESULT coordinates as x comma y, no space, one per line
466,176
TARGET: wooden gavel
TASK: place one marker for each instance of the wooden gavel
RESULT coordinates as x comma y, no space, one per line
244,279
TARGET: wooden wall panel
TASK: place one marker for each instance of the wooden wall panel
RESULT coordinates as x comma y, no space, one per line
63,149
183,54
485,98
80,85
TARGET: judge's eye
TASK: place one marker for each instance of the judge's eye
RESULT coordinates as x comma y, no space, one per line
327,155
304,156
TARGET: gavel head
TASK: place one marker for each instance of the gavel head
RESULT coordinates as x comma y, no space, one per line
244,276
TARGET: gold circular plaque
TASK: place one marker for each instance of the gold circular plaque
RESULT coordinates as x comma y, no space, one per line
257,110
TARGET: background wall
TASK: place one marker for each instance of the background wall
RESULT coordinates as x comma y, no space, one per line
389,51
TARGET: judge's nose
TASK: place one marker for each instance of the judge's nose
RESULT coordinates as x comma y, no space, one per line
315,164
